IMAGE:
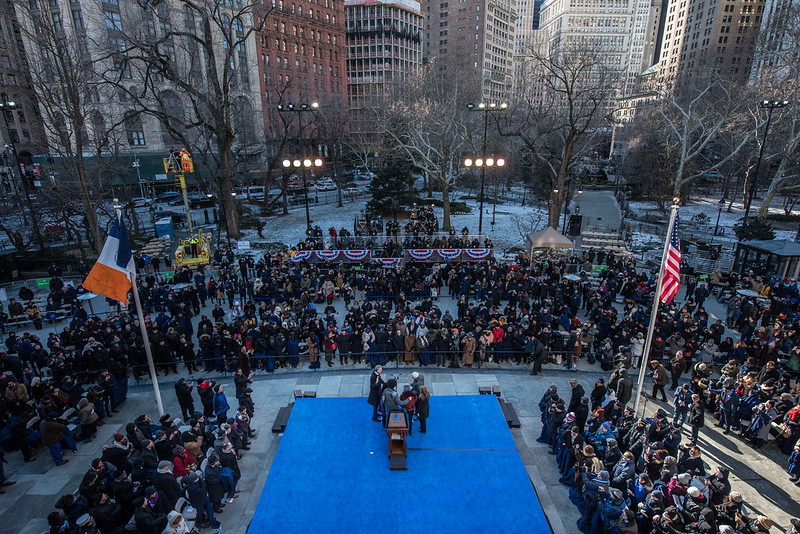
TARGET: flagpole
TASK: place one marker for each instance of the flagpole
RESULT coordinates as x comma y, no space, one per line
146,341
644,363
145,337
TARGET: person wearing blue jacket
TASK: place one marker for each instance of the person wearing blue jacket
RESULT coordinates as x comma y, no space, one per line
219,402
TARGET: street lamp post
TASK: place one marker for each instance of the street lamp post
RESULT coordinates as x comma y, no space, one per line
769,105
485,109
304,165
135,165
719,214
10,105
300,109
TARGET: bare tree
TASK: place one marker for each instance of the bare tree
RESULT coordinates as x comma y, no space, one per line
778,77
427,120
196,55
82,132
560,113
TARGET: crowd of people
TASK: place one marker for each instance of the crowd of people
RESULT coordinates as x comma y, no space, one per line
269,312
632,475
163,476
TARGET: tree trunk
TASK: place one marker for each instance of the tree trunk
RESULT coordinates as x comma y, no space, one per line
446,208
554,211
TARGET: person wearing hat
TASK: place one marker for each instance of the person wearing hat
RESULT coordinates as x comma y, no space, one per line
795,528
594,485
99,478
86,525
757,524
220,404
149,519
118,454
198,497
106,513
166,484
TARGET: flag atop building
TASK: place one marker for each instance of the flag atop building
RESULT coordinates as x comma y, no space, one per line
672,266
110,275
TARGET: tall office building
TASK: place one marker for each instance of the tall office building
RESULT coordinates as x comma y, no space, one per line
617,29
302,57
709,34
25,129
779,47
98,41
384,47
473,40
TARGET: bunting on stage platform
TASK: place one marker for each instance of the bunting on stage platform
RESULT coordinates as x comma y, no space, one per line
301,255
420,253
449,254
478,253
356,255
327,255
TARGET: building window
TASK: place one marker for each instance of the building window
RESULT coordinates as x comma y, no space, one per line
57,24
135,131
113,21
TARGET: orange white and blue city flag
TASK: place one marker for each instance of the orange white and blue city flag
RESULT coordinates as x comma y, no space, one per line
110,275
671,280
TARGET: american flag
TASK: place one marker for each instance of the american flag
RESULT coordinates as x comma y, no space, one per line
672,267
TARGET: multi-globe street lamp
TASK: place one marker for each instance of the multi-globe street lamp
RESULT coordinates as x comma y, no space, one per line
484,108
304,164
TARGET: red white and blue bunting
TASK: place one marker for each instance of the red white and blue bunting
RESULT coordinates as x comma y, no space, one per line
356,255
449,254
301,255
327,255
420,254
478,253
388,263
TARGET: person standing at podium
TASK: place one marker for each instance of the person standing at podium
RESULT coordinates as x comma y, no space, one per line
376,383
391,401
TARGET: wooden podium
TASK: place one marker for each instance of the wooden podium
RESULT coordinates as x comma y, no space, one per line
397,429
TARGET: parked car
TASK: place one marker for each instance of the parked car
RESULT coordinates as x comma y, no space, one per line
326,186
351,192
168,196
140,202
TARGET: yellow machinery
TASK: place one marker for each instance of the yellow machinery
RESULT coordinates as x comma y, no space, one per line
194,250
197,248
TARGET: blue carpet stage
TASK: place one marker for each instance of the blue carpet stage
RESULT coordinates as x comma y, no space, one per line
331,473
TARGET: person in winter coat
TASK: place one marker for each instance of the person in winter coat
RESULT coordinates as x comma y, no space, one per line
205,390
598,394
88,419
220,404
184,393
624,387
214,485
168,488
423,408
197,495
697,417
468,349
376,384
391,401
624,471
148,521
183,463
577,393
661,379
53,432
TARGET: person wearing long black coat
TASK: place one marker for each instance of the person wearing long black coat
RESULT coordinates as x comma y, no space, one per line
147,520
214,486
184,393
375,388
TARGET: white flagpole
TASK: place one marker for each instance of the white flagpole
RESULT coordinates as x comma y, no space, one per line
146,342
145,337
645,362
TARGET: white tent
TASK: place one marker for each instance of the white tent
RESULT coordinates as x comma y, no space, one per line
548,238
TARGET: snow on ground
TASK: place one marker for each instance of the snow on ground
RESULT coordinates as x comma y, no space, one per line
512,221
